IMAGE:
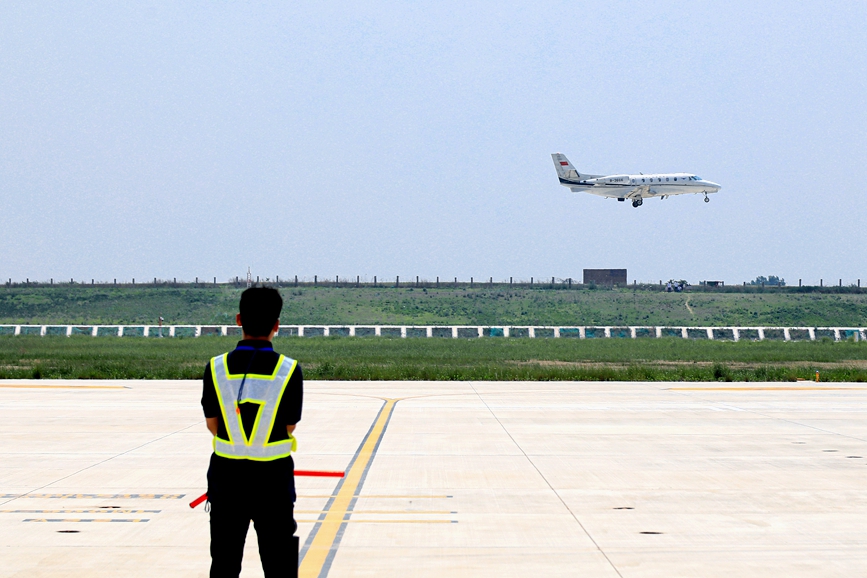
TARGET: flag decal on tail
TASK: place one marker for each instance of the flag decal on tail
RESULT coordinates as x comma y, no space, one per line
563,163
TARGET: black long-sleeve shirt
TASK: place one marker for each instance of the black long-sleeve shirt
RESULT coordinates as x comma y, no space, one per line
229,477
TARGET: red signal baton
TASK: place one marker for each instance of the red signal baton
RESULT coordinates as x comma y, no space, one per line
318,474
309,473
198,500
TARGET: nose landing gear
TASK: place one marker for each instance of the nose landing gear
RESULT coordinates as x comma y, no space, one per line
637,203
706,200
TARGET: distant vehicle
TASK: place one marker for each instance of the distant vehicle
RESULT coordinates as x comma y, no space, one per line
635,188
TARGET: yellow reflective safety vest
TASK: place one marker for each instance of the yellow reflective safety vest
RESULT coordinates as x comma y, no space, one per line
264,390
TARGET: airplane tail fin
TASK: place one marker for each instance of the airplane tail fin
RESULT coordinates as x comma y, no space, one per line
565,170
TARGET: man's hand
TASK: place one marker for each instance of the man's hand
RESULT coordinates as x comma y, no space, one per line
290,429
211,422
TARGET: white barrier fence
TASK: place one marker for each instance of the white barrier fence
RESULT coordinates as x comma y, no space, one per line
457,331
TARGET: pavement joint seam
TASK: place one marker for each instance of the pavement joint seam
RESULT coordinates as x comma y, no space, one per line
556,493
100,463
729,405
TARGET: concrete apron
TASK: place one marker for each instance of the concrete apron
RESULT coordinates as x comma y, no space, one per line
453,479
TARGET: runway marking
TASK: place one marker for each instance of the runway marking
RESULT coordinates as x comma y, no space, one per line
323,541
95,496
766,388
354,521
85,511
16,386
82,520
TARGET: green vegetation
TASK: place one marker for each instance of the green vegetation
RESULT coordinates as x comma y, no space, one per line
446,359
443,306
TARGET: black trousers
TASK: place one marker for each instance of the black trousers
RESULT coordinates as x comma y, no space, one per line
275,528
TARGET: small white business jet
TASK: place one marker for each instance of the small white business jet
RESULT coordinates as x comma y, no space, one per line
636,188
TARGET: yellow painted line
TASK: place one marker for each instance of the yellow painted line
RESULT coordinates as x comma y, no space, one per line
91,511
317,554
354,521
16,386
401,512
765,388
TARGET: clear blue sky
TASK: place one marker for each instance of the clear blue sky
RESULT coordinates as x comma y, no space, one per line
184,139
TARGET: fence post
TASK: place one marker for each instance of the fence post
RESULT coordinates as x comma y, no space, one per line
471,281
358,280
510,281
374,280
531,281
799,282
416,280
397,281
820,282
438,281
492,281
552,282
296,280
315,280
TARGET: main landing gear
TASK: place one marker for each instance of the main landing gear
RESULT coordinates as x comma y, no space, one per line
637,202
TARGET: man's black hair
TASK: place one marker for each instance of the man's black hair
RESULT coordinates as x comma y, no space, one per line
260,309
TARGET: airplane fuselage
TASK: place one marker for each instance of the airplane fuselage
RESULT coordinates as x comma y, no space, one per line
636,188
632,186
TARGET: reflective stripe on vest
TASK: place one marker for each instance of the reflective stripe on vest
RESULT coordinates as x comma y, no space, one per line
264,390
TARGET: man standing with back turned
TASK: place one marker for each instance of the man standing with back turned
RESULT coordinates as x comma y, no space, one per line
252,400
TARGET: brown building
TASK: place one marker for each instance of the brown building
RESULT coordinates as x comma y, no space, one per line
605,276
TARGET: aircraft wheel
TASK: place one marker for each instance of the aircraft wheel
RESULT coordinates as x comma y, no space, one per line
706,200
637,203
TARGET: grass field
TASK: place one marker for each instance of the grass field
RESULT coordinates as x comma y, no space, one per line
446,359
444,306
